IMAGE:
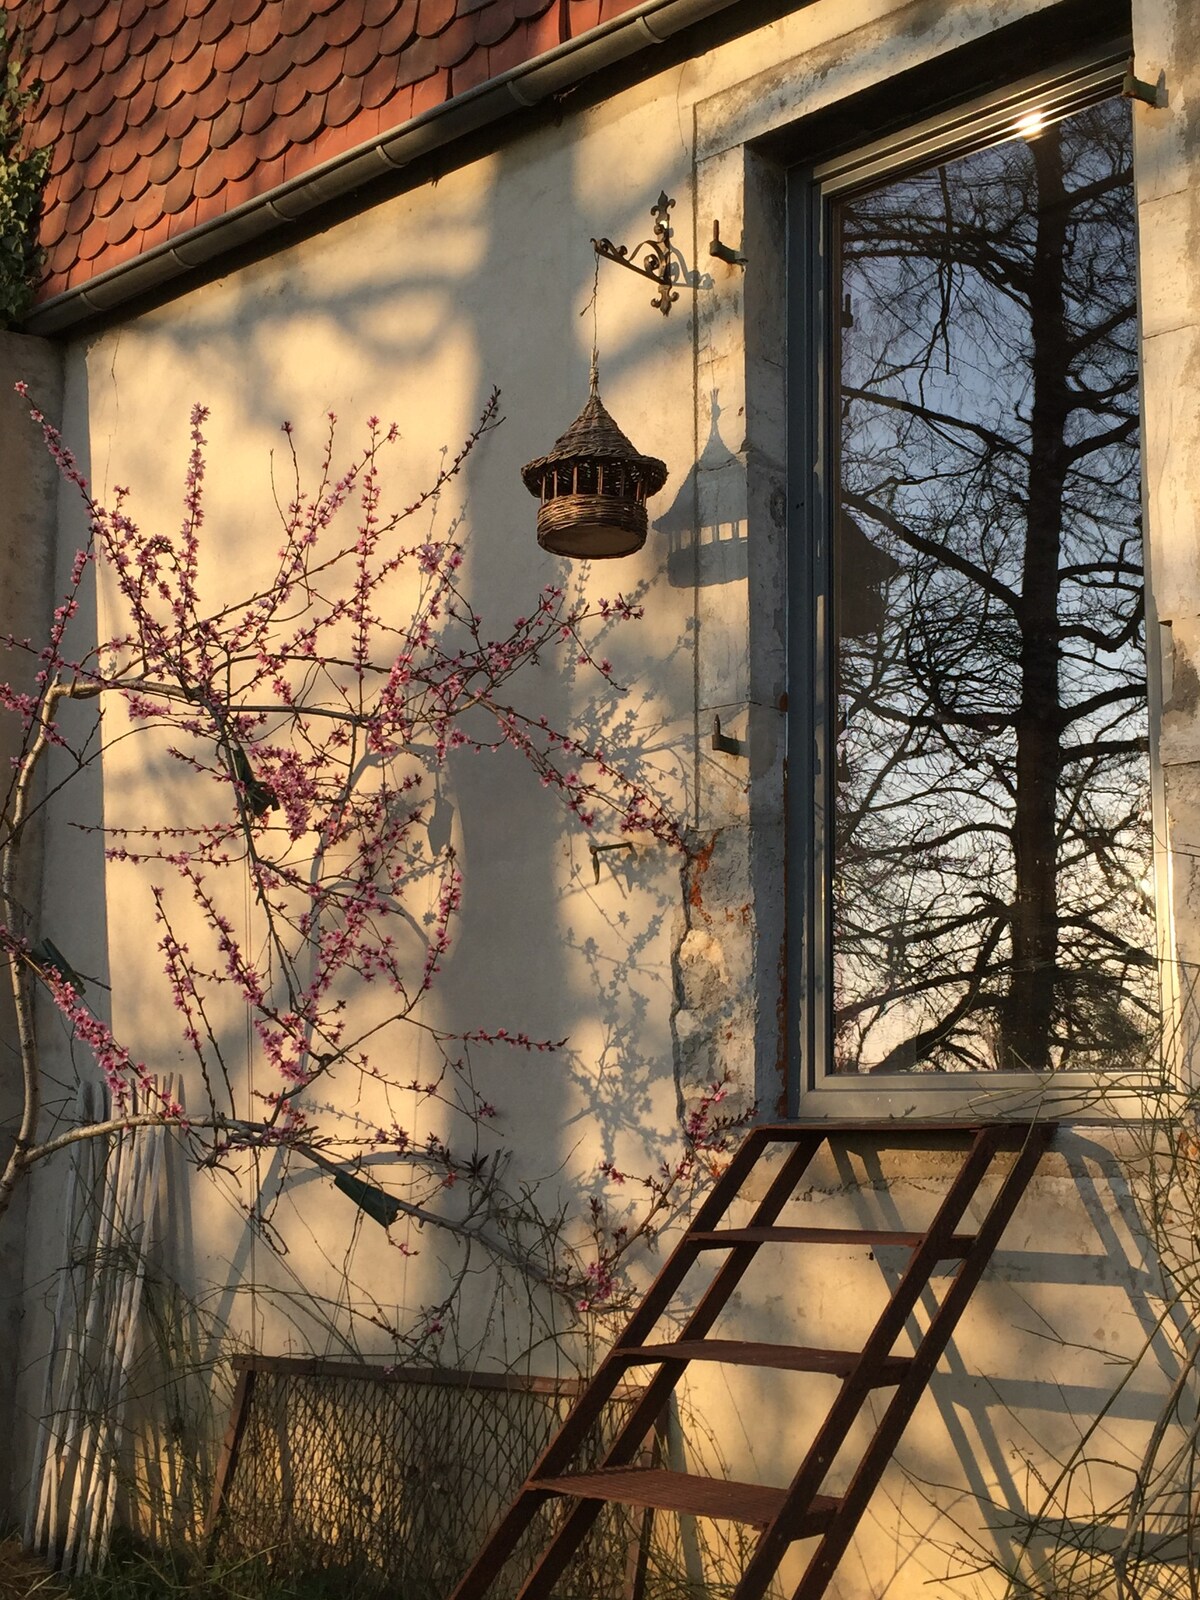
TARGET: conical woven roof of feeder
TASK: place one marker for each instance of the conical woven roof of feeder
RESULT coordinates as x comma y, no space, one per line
594,436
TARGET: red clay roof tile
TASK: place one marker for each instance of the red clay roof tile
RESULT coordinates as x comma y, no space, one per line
103,27
277,61
240,161
456,43
158,58
172,14
74,47
134,182
584,14
87,141
54,225
259,109
119,228
325,71
122,157
74,113
433,16
39,33
151,134
165,113
143,33
170,90
335,138
164,163
209,176
148,209
180,116
430,92
243,80
92,242
520,44
311,45
115,53
263,32
126,80
361,53
225,128
191,75
308,119
210,99
181,221
273,140
399,29
192,150
290,94
497,22
419,60
230,51
379,83
178,194
61,190
470,73
213,23
341,103
291,16
343,22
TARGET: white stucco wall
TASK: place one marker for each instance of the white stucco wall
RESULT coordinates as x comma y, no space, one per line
412,310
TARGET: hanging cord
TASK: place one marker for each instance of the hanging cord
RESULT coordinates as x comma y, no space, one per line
593,307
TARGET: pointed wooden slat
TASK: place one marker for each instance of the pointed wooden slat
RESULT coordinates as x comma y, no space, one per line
753,1503
785,1357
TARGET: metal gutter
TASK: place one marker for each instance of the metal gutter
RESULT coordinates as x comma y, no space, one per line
651,23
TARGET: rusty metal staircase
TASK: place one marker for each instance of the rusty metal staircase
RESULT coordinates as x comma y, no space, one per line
800,1511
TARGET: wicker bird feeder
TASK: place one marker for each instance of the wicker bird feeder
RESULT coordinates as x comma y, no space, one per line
593,488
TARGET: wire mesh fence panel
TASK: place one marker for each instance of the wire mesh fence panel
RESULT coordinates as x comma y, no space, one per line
388,1479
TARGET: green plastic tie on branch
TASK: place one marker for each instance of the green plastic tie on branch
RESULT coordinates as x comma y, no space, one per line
380,1207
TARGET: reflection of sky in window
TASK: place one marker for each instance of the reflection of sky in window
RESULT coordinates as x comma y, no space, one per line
940,274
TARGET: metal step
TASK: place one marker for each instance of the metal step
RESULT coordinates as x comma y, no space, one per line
745,1353
753,1503
725,1238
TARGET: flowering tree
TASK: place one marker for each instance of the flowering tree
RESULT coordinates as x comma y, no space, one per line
310,727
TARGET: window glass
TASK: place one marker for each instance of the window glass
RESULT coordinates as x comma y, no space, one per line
991,855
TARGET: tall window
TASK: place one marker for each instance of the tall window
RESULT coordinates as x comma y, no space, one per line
984,782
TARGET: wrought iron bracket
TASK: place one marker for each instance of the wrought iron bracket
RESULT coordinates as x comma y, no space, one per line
657,264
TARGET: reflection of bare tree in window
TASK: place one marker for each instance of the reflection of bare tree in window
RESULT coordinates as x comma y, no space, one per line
992,836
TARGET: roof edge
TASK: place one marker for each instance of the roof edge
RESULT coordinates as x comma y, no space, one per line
651,23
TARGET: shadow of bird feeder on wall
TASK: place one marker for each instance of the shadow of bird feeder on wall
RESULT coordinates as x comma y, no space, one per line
705,524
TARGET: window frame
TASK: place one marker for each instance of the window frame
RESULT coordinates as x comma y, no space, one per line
813,1092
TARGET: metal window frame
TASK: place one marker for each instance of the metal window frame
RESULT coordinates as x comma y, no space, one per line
813,1092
